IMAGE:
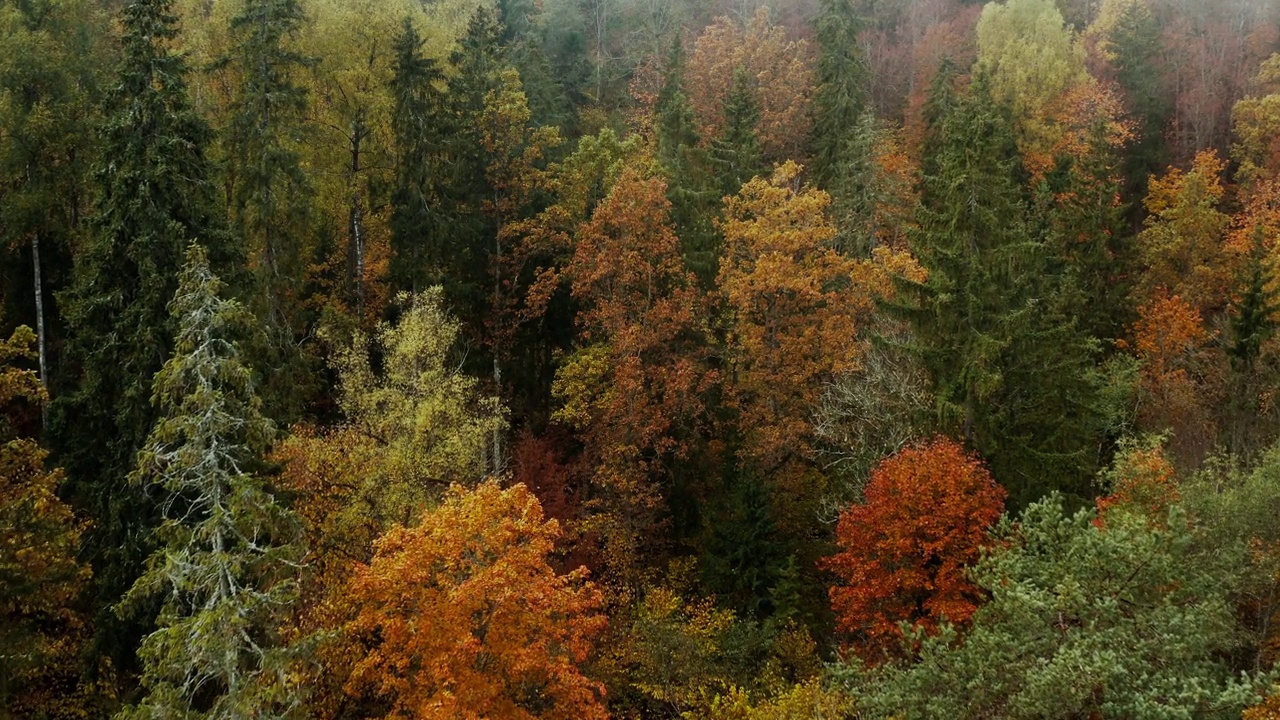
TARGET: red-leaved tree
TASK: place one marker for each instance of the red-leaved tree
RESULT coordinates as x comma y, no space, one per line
904,552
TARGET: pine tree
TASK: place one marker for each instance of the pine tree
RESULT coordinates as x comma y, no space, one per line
154,195
735,155
228,551
418,124
1011,371
840,100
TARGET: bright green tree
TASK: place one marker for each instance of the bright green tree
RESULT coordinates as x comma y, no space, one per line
228,556
1127,619
154,195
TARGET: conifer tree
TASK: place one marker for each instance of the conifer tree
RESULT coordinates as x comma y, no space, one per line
735,155
689,187
228,552
418,125
1137,44
841,94
1011,371
270,192
154,194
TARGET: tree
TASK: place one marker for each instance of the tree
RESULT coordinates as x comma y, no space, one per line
270,194
1136,47
39,542
51,82
735,153
1130,619
228,552
1182,245
905,552
690,185
1180,375
840,97
419,127
463,615
154,195
635,386
1012,372
793,308
1031,60
777,73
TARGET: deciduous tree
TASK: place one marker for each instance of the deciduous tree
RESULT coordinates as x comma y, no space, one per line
463,615
906,551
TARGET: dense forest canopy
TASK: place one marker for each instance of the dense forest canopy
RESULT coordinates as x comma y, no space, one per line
671,359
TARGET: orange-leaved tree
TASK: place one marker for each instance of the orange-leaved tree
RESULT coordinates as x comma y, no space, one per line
780,71
794,310
634,388
1141,480
904,553
1184,245
1181,375
463,616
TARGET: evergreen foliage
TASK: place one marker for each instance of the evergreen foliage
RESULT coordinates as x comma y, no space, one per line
841,97
154,195
1127,620
227,552
735,155
1012,373
418,230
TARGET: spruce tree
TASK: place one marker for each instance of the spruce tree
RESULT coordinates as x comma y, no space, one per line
228,556
1012,373
840,99
419,129
1086,229
694,200
735,155
1250,325
1136,42
270,193
154,195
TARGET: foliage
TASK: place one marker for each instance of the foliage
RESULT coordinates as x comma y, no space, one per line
780,77
463,615
1182,244
1126,620
1012,371
39,540
634,389
1031,60
906,550
154,195
228,556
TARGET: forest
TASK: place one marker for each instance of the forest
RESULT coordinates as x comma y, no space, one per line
640,359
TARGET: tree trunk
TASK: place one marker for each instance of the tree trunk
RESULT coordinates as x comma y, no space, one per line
40,332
